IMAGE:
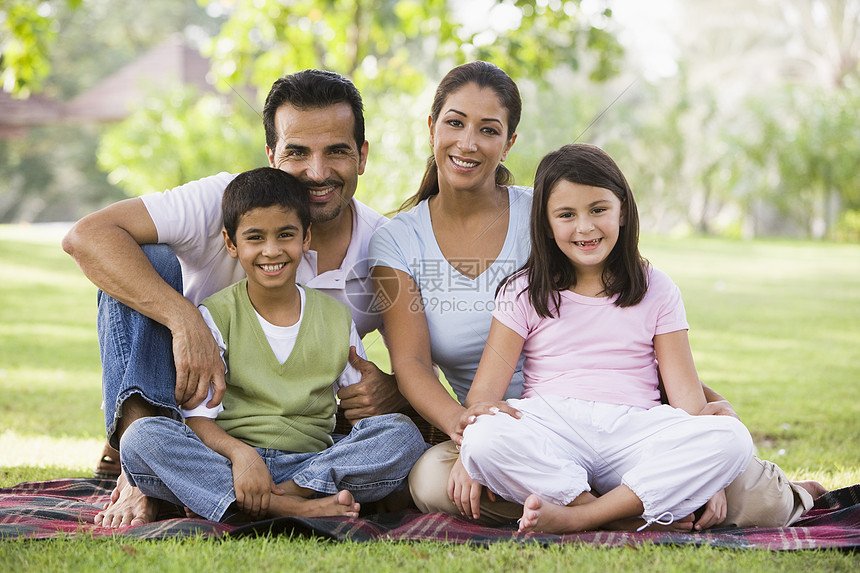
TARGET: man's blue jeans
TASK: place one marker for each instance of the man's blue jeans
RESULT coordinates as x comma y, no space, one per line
166,460
136,351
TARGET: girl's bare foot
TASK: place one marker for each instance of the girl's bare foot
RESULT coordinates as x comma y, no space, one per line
814,488
545,517
127,506
288,505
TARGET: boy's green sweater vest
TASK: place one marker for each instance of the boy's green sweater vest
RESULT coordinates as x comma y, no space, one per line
290,406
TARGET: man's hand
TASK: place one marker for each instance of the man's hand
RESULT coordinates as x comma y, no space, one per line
375,394
198,362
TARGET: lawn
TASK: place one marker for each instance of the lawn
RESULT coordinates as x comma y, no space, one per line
775,328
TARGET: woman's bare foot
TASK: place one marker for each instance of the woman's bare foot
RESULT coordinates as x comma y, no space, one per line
289,505
814,488
127,506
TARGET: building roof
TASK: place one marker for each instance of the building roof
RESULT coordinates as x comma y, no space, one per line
170,64
16,115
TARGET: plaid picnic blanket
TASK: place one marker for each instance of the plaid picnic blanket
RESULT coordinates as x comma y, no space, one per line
66,507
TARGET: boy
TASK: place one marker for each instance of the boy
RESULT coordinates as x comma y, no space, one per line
266,451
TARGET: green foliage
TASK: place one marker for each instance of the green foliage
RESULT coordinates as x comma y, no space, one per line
387,45
51,174
809,140
388,48
178,137
27,32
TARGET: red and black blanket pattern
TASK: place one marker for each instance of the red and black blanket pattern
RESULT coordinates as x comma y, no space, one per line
67,507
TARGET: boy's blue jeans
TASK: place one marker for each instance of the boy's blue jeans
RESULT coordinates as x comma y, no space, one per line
137,352
166,460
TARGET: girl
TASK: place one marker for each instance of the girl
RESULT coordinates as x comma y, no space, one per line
594,320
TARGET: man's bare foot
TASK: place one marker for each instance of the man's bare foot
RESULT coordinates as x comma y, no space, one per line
127,506
288,505
190,514
814,488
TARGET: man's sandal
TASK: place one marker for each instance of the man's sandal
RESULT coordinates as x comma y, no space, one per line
109,467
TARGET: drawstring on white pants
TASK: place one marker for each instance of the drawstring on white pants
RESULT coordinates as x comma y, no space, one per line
657,520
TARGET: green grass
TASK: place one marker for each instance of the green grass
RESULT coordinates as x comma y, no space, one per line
775,327
297,554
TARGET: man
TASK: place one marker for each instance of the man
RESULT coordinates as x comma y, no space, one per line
314,128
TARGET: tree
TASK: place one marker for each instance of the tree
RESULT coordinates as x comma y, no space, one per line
27,33
50,173
391,49
391,44
178,137
809,139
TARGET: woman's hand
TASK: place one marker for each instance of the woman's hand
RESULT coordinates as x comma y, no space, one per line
715,511
465,492
480,409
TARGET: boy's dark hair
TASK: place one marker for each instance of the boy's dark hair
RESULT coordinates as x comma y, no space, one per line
263,187
312,89
548,269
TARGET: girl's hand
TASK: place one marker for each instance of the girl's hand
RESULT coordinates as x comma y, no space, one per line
719,408
715,511
253,483
465,492
480,409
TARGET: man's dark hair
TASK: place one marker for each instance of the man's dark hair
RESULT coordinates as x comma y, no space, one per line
263,187
312,89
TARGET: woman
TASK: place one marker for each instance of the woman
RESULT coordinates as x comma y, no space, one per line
436,268
438,264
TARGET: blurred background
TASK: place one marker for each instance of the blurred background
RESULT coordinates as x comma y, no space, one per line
731,118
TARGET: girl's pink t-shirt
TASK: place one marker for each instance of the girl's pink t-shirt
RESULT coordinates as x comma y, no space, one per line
592,349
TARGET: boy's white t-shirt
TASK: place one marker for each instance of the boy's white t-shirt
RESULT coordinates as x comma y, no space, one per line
282,339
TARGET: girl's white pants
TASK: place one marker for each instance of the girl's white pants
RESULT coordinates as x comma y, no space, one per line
562,447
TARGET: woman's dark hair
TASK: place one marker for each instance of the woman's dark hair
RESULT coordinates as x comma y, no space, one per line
483,75
263,187
548,269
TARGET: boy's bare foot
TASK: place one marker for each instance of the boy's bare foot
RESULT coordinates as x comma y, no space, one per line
127,506
814,488
289,505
